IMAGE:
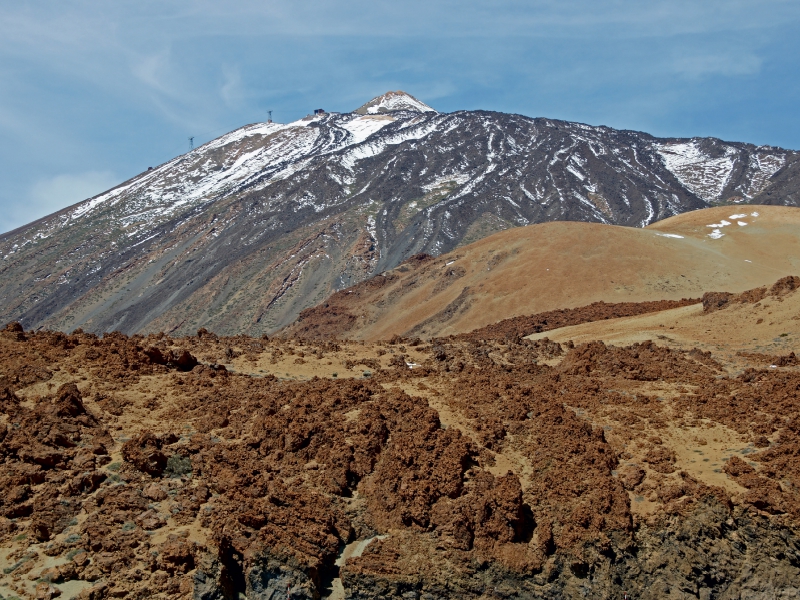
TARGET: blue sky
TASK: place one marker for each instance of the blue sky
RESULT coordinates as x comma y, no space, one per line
92,93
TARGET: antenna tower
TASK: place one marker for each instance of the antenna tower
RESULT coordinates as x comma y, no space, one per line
191,143
269,112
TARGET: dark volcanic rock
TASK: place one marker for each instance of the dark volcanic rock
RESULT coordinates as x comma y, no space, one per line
711,552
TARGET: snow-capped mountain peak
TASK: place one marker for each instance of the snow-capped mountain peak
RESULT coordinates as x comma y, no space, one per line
393,101
247,230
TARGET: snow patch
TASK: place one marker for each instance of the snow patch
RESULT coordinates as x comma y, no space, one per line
457,178
702,175
716,234
195,177
527,193
373,148
670,235
763,166
363,127
650,213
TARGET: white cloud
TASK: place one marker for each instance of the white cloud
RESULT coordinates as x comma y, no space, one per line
47,196
50,195
153,71
231,90
727,64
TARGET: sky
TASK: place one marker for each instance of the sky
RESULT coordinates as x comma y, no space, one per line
94,92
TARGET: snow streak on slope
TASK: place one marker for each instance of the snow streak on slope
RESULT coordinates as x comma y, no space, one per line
204,174
367,150
260,153
763,165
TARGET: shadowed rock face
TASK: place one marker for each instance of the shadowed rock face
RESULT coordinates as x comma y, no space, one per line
243,233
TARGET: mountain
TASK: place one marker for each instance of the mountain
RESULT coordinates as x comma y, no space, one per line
244,232
393,101
563,265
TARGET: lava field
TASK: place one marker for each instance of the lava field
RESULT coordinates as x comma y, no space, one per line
477,466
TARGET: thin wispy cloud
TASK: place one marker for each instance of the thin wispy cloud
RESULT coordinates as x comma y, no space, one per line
63,190
726,64
49,195
154,71
231,91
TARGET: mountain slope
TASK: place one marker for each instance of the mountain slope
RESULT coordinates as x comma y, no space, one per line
564,265
244,232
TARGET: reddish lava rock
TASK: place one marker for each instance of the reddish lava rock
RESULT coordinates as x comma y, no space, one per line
479,472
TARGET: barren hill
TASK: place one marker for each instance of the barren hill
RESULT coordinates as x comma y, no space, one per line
242,233
563,265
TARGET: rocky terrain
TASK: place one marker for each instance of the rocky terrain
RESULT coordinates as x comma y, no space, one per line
243,233
475,466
